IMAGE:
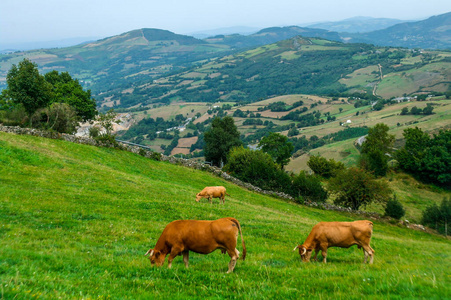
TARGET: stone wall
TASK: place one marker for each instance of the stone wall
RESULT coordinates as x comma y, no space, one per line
173,160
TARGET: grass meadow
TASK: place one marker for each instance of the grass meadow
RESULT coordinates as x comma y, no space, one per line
76,220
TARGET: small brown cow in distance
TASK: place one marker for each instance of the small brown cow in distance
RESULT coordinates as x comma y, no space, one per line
337,234
180,237
212,192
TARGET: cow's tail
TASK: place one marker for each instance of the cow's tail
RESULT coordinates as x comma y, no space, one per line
227,194
242,240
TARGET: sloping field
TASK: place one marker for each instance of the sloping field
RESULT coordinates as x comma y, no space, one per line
75,222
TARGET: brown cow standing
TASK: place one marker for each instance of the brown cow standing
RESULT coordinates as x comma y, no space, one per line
338,234
180,237
212,192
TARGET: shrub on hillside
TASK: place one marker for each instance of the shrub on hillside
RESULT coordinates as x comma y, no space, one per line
394,209
60,117
355,187
257,168
14,116
438,217
308,187
323,167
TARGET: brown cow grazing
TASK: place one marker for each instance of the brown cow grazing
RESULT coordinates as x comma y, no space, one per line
337,234
180,237
212,192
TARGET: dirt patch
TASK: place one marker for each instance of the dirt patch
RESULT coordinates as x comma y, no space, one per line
180,151
187,142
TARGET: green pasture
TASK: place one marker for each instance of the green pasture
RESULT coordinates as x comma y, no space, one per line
76,220
362,77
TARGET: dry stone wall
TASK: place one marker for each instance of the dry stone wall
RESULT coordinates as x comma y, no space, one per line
170,159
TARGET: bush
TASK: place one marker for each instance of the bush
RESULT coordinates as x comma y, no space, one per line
60,117
308,187
14,116
323,167
257,168
438,217
355,187
94,131
394,209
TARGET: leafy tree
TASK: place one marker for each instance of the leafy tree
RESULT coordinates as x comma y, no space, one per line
323,167
428,109
257,168
378,106
404,111
68,90
394,208
27,87
308,187
428,159
35,92
376,148
438,217
278,146
355,187
293,131
222,136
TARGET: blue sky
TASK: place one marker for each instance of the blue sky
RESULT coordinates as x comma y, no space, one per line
47,20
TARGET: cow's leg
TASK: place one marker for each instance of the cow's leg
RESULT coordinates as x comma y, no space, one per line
186,257
174,252
315,255
209,198
324,253
233,255
368,251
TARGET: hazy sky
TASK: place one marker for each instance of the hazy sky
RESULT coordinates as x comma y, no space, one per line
47,20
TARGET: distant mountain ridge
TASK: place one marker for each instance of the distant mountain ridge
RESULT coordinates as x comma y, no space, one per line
120,64
432,33
357,24
271,35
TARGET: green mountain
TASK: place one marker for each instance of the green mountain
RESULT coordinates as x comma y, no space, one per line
432,33
119,61
76,221
298,66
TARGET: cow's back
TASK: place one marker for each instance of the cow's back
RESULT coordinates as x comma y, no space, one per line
215,191
342,234
199,236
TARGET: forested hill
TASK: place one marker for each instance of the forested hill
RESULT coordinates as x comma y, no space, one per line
119,61
432,33
298,66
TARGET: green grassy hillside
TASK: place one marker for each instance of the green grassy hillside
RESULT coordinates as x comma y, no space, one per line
75,222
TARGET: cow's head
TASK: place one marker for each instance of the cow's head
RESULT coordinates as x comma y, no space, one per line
304,252
156,257
198,197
